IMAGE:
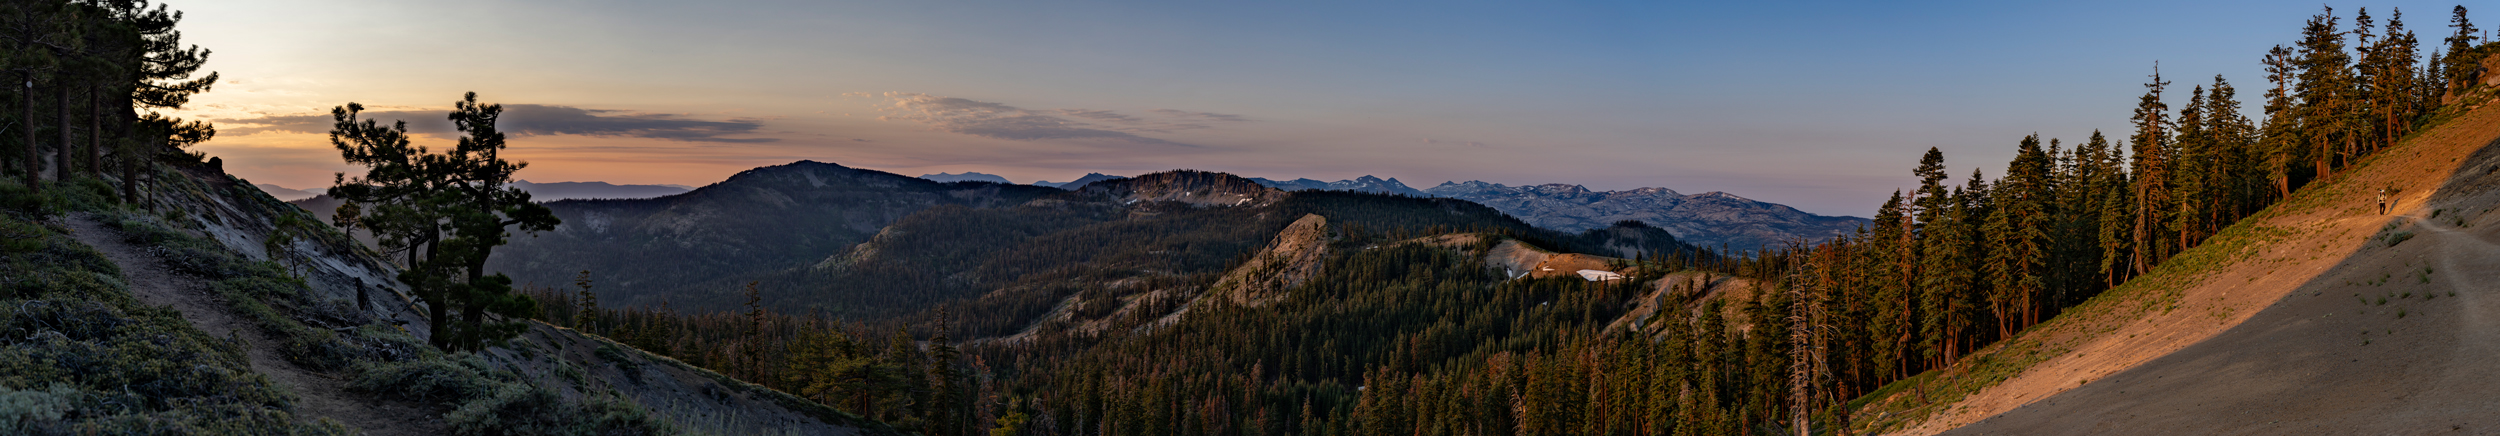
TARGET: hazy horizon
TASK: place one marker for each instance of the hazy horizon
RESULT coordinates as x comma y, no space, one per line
1819,105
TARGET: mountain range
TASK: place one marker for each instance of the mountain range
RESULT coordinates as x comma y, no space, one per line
538,191
592,190
1079,182
283,193
1359,184
1712,219
967,176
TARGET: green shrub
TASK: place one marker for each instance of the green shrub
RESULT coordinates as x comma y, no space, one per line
84,194
15,198
2391,239
517,409
22,411
438,381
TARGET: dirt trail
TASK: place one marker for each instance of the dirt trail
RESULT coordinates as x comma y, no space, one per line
2391,340
320,394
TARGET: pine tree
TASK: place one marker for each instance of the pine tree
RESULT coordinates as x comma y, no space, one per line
2151,169
2075,220
1892,320
2324,92
33,33
2117,221
2281,144
2189,166
2019,231
447,212
1940,243
2464,66
2231,142
2395,85
588,313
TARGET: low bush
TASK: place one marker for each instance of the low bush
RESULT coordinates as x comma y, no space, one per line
2391,239
517,409
489,402
433,381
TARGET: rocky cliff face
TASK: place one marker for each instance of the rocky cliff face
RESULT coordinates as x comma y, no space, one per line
1200,188
1709,219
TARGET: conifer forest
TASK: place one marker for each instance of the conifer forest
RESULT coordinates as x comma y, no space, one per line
1183,302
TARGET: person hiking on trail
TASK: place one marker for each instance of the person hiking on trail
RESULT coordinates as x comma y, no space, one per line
2382,201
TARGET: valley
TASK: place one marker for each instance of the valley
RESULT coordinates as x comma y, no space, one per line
2313,255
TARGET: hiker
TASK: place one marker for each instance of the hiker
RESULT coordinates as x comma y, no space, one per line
2382,201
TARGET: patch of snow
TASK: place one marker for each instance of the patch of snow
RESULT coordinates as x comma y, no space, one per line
1599,275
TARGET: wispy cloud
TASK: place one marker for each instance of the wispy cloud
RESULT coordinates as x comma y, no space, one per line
995,120
1208,116
532,119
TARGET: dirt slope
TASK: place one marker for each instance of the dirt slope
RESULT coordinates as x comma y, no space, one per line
2304,321
1292,259
1690,291
321,394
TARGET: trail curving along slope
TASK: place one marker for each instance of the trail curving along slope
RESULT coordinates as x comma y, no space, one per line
2318,316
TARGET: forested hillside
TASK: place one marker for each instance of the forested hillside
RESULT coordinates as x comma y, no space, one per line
1088,312
698,247
1412,338
150,292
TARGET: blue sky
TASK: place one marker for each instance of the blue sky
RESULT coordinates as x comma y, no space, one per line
1820,105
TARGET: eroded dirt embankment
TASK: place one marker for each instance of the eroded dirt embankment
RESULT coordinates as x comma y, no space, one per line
2317,325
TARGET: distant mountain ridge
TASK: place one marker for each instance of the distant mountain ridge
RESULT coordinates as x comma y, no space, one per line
967,176
1708,219
540,192
283,193
1080,182
1366,183
590,190
1189,186
686,246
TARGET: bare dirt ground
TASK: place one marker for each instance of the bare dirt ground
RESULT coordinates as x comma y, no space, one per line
320,395
2324,330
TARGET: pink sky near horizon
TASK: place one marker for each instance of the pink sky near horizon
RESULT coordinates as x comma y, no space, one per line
1824,106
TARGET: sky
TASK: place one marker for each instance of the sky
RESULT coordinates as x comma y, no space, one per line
1821,105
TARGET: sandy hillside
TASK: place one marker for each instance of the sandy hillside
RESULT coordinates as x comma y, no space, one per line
2303,320
1690,291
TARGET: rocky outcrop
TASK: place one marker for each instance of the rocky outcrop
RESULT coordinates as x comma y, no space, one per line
1201,188
1295,256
